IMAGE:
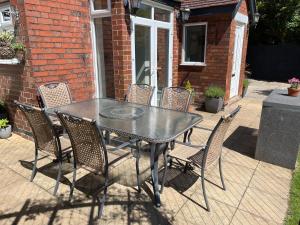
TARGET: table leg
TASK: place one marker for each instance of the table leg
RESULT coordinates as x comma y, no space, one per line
154,173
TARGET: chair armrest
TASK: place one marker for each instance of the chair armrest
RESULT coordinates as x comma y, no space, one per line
203,128
190,145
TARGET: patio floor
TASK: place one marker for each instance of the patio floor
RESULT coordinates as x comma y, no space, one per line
257,192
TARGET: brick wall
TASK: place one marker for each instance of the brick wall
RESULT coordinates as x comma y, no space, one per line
58,44
219,55
121,48
217,50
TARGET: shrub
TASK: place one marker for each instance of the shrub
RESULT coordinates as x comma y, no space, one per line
214,92
3,123
246,83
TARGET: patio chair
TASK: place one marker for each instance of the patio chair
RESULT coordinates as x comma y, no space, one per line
206,156
90,152
175,98
46,139
53,95
139,94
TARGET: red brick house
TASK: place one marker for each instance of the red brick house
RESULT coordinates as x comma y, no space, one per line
99,47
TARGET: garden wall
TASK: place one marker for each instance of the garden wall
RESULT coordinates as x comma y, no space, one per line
274,62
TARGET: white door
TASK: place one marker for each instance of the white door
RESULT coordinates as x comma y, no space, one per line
237,60
151,46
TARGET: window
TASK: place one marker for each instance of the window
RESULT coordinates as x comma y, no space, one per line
5,17
194,44
162,14
100,8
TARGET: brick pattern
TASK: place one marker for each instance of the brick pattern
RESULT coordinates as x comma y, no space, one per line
121,48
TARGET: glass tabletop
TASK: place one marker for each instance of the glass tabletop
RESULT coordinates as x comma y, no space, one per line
148,123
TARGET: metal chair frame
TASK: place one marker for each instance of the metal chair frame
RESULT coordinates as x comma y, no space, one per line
205,149
59,156
101,142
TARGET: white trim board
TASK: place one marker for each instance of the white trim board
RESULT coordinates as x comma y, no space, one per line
241,18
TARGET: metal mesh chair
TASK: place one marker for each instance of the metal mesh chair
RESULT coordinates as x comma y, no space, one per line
89,151
176,98
140,94
208,155
55,94
45,138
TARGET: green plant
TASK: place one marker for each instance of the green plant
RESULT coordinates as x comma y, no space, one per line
18,46
3,123
246,83
6,36
188,87
214,92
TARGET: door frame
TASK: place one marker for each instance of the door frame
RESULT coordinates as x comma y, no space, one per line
154,26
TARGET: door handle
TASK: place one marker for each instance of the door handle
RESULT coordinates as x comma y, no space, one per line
233,75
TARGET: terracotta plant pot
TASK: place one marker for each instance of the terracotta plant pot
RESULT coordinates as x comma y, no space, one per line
293,92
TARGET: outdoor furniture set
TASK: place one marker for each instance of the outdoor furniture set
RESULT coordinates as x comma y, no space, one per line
90,123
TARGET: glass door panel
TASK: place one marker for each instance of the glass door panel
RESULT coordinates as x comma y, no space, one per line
143,54
162,60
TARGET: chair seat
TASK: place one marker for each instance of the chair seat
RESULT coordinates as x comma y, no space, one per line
188,154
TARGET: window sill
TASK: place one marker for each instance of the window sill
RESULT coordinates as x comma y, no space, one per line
13,61
192,64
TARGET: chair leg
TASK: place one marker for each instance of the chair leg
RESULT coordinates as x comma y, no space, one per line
137,166
204,191
221,173
165,170
34,166
73,184
102,202
107,137
58,177
189,136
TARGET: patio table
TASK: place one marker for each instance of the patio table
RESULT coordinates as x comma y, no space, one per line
154,125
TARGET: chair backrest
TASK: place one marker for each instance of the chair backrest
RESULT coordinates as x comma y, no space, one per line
55,94
214,146
140,94
44,135
87,142
176,98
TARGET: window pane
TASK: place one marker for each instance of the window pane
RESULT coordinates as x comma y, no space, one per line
161,15
195,43
144,11
100,4
6,15
104,56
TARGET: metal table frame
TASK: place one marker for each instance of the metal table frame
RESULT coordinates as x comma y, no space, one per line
155,144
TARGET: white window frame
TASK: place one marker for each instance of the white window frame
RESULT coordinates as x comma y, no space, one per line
183,62
97,14
100,12
5,25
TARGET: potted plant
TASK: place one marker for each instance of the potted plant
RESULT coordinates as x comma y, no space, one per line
5,128
294,89
214,99
188,87
245,87
6,51
19,49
